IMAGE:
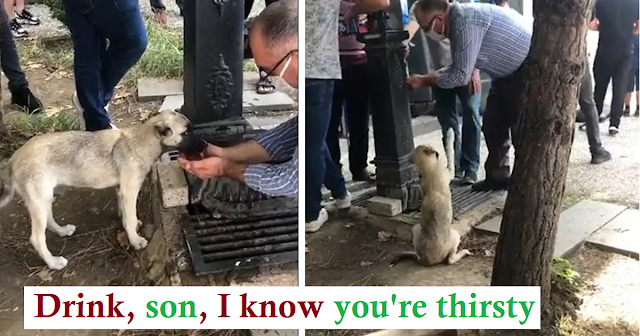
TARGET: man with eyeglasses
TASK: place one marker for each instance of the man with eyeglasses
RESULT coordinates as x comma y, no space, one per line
496,41
273,39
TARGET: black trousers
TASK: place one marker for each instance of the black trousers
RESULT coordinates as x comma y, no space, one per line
9,59
503,108
588,108
611,65
352,91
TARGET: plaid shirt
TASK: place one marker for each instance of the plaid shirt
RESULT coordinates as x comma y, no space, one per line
493,39
279,179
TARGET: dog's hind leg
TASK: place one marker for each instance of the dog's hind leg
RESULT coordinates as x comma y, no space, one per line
454,255
38,211
62,231
127,199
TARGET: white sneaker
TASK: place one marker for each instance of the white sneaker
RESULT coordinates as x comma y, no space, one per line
80,110
313,226
345,202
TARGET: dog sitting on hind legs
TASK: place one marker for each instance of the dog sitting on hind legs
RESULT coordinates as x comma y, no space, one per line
434,240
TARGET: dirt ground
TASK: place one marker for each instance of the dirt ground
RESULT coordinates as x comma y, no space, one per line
97,252
347,253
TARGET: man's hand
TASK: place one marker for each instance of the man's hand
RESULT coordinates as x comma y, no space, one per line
415,81
474,83
206,168
213,150
161,17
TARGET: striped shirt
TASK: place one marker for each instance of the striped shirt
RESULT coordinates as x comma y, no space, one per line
493,39
277,179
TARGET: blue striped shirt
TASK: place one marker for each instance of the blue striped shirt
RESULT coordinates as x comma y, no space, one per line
281,179
493,39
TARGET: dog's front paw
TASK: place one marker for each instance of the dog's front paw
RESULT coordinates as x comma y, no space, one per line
67,230
138,242
466,252
57,263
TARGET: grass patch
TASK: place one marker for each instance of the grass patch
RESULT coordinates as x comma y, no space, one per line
564,275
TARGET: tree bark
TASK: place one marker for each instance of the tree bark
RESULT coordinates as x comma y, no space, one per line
553,73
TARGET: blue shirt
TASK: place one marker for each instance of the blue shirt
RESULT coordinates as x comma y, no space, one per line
493,39
281,179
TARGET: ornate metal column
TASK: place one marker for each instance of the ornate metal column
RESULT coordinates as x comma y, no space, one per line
213,55
392,131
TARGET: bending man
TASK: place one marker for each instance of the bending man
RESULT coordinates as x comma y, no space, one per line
273,39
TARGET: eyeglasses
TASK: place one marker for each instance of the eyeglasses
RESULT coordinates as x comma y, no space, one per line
265,74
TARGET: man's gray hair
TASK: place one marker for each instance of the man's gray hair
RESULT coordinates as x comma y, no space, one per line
278,24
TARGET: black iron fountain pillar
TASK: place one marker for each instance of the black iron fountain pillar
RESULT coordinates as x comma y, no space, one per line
213,55
393,137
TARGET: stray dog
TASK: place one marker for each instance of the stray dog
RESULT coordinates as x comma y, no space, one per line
97,160
434,241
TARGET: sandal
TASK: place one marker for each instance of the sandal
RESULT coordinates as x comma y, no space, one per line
265,86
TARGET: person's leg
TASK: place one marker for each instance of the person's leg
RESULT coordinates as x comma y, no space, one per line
470,153
588,108
16,28
248,5
87,41
601,77
627,96
620,74
447,115
495,127
10,63
357,101
127,35
24,16
317,110
636,76
333,133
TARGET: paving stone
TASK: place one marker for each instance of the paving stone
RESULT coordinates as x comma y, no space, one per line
172,103
275,101
151,89
173,185
384,206
620,234
274,332
576,224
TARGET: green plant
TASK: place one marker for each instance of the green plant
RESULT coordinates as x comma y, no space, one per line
56,9
564,275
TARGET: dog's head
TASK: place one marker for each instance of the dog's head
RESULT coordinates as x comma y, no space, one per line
174,131
425,158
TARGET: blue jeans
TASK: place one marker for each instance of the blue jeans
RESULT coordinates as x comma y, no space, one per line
99,65
467,147
319,168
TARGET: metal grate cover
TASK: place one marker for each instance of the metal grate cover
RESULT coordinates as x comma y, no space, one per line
218,245
463,198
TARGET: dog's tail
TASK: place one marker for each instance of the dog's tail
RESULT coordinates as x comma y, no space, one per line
449,151
6,186
410,255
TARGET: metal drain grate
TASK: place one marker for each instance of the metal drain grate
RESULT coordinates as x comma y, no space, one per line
218,245
463,198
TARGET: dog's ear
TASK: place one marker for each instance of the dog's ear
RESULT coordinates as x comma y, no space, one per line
162,129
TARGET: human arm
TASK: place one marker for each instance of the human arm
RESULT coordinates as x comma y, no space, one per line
465,46
277,144
159,11
274,179
365,7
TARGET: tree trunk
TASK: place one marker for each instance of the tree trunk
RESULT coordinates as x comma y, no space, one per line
553,73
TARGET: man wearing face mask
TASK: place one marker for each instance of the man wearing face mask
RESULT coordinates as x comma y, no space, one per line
273,39
495,40
467,146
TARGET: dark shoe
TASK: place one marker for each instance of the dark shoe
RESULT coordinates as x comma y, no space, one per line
25,17
469,178
637,114
17,30
600,155
362,175
626,112
583,127
25,99
603,119
489,185
613,130
459,174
